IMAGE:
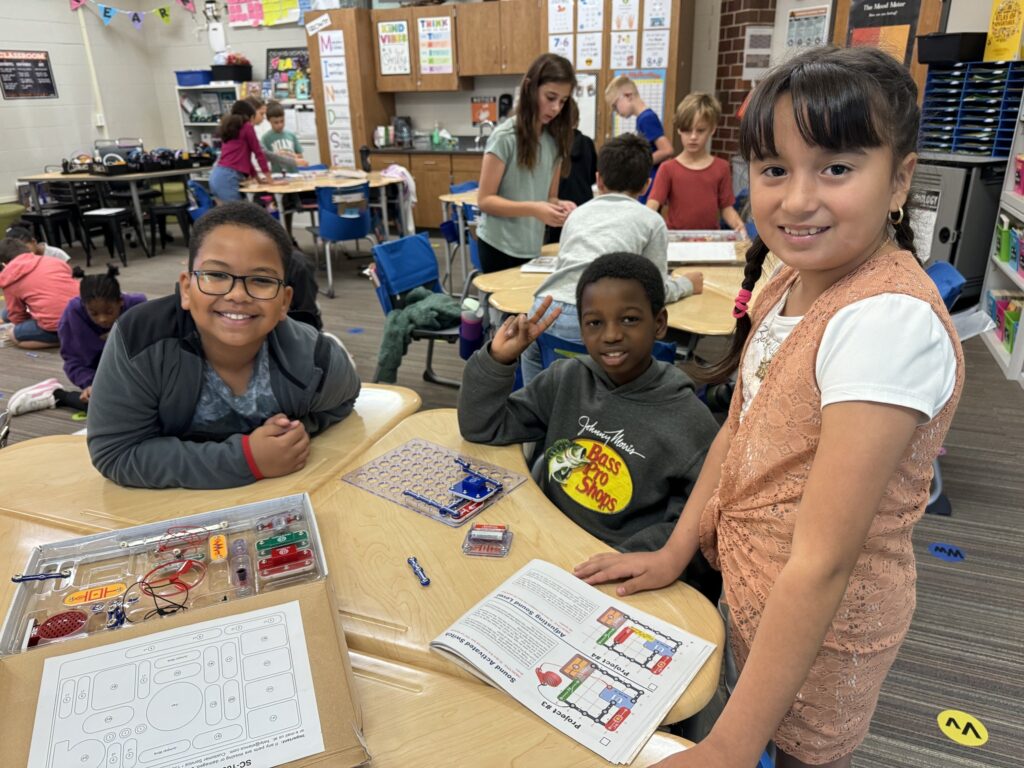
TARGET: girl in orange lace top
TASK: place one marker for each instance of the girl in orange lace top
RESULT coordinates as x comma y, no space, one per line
849,374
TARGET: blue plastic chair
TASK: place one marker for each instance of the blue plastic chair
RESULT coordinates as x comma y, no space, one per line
203,200
402,265
344,214
554,348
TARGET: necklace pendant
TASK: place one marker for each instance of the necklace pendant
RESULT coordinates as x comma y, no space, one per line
762,368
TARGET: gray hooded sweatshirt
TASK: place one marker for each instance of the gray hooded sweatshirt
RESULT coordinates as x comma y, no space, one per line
617,460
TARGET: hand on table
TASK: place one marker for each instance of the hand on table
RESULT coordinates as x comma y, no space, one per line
641,570
697,278
280,446
519,331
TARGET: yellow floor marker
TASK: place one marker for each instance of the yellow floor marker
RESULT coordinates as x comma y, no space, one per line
962,728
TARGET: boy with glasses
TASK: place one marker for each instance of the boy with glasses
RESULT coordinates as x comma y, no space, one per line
215,386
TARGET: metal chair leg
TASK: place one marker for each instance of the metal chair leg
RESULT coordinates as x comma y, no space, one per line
430,375
330,274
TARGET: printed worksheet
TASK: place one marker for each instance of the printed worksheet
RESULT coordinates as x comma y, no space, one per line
596,669
231,691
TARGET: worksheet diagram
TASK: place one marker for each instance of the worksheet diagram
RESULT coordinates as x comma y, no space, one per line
589,690
634,643
201,696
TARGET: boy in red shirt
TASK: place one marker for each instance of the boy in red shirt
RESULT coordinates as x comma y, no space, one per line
696,186
36,291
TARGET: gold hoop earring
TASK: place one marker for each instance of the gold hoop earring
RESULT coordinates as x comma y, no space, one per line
898,219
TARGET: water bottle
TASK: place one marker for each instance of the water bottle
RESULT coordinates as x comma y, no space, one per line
471,328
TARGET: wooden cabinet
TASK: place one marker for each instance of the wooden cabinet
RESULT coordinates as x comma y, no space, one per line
479,34
381,160
433,175
522,38
499,38
466,168
417,79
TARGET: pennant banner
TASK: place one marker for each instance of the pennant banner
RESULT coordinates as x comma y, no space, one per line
106,13
165,13
137,17
76,4
188,5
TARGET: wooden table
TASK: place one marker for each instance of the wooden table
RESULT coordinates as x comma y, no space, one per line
411,716
387,613
79,498
132,179
450,203
310,183
417,717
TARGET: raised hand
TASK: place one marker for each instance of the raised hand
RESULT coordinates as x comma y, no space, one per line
519,331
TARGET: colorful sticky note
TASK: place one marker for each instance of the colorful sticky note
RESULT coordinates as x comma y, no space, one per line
137,17
106,13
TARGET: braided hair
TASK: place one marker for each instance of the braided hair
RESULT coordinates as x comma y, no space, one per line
843,99
103,287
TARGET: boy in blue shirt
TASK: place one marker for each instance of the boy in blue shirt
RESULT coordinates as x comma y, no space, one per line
624,100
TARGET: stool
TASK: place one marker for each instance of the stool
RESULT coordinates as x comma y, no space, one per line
111,220
159,214
51,223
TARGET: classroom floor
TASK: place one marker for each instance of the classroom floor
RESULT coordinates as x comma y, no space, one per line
964,650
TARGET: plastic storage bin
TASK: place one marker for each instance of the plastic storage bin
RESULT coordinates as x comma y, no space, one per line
238,73
193,76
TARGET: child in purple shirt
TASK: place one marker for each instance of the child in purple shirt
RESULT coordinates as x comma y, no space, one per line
86,322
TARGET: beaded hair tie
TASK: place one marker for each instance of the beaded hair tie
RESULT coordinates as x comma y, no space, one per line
741,303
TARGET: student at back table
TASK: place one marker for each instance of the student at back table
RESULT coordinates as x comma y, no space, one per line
621,436
214,387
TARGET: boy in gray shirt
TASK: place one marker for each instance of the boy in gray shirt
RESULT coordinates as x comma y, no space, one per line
622,437
614,221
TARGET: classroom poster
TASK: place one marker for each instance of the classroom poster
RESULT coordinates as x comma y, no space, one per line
393,45
588,50
336,99
562,45
590,16
436,57
1004,30
889,25
657,14
625,15
623,50
245,13
650,84
757,52
654,54
806,28
27,75
586,102
560,17
483,108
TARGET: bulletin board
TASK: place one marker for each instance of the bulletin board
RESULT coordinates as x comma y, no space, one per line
26,75
852,12
284,67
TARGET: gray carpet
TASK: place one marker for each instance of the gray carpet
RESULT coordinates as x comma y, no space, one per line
964,650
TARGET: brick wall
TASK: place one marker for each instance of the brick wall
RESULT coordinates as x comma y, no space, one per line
736,16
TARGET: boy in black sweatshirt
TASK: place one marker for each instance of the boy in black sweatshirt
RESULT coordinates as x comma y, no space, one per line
623,435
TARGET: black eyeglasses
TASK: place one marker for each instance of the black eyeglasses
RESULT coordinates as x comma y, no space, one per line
215,283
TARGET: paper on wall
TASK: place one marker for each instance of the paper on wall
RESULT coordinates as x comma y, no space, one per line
435,37
625,14
560,17
562,45
590,16
657,13
655,48
588,50
393,47
623,50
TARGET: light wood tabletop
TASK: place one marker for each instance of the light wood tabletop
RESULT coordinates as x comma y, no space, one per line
417,717
459,198
166,173
80,498
387,613
290,186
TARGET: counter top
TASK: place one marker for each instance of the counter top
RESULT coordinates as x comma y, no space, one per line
467,146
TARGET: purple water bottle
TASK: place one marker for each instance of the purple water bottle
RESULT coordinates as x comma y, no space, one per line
471,328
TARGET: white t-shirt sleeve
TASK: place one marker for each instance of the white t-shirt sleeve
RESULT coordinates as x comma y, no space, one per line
890,348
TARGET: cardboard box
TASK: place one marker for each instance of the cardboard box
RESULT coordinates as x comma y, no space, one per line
340,718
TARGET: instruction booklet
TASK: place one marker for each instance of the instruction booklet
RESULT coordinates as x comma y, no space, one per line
596,669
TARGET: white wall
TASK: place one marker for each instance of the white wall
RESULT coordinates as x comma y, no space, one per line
452,110
706,17
36,133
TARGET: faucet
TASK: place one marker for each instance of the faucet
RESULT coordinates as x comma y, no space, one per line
489,124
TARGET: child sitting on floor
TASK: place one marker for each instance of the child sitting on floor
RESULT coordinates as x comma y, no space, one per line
36,289
23,231
622,436
214,386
